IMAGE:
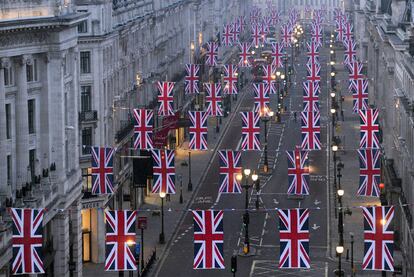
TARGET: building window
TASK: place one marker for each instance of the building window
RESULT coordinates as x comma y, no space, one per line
9,169
86,179
86,104
32,159
83,27
31,106
85,62
8,76
31,71
86,140
8,121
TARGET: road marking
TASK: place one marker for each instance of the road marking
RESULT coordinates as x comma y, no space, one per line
315,227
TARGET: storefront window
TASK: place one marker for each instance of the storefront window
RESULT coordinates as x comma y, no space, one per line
86,235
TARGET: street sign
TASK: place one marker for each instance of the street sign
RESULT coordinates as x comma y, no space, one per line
142,222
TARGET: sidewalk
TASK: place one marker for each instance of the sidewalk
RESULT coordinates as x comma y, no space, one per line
348,132
173,209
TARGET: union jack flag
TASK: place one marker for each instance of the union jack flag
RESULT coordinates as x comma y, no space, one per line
286,35
227,35
311,131
27,240
191,80
350,52
261,98
212,53
369,172
316,33
143,128
347,36
339,28
360,94
235,31
230,79
269,78
102,170
230,166
244,54
241,22
250,130
208,240
198,130
277,55
120,234
275,17
378,238
313,54
369,129
355,69
165,98
213,99
310,96
313,72
294,238
163,171
298,172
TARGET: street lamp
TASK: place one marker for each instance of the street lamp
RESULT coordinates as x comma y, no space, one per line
266,117
332,63
246,247
340,193
256,182
339,251
162,236
190,184
332,52
352,254
333,94
333,74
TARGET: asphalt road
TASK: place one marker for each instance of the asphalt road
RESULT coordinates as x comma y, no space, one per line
263,228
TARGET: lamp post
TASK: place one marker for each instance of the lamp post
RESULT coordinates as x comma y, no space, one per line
256,182
190,184
162,236
339,251
246,246
340,217
334,150
333,111
352,254
266,117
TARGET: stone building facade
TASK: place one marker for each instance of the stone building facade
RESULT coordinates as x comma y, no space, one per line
71,71
385,35
39,164
283,6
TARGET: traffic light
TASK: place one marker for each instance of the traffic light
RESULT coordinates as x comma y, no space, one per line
383,198
233,264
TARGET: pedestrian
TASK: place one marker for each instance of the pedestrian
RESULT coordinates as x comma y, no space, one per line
294,115
342,115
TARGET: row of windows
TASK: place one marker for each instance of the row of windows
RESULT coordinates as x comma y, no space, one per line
31,74
32,70
31,168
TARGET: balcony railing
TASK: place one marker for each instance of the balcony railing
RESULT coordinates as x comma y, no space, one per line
86,116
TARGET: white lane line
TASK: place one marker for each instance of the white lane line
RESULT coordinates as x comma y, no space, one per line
238,145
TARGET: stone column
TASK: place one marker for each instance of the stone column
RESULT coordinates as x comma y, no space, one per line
76,237
22,122
3,160
61,244
56,113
